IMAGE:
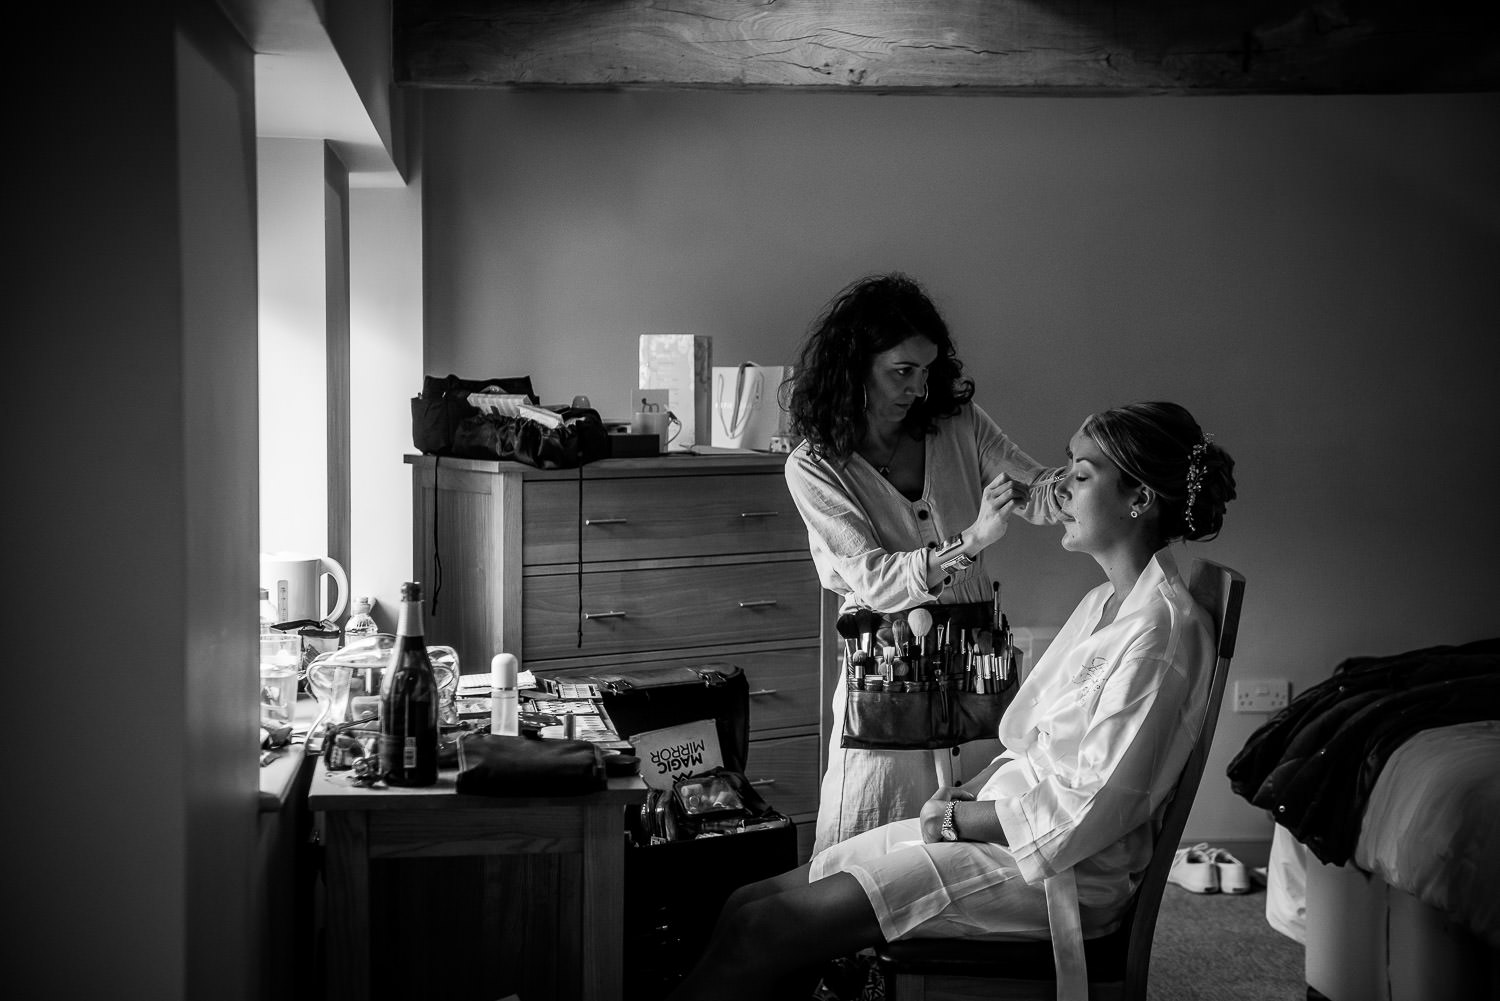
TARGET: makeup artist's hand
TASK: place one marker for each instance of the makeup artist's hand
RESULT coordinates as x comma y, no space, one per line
1000,499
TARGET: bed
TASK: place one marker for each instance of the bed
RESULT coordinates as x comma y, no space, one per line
1385,784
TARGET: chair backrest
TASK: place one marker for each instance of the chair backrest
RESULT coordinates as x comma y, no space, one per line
1220,591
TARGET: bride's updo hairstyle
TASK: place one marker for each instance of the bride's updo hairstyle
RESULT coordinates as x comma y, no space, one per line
1162,446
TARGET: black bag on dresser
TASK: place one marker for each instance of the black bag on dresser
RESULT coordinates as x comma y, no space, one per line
444,404
578,439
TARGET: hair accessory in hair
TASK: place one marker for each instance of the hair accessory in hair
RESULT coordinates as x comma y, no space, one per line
1195,477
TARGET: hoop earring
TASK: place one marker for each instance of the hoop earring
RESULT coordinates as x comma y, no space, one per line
865,397
1135,514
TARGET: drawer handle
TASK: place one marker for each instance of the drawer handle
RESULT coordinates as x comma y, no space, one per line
763,691
760,783
760,514
604,615
759,603
605,521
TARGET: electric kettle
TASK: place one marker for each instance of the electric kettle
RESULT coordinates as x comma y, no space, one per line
294,586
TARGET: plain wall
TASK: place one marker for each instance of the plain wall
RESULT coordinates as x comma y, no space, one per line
130,509
1314,277
385,371
294,402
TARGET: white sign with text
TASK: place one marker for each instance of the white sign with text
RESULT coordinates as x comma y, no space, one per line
672,752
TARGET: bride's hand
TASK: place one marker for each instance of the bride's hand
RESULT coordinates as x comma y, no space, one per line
931,817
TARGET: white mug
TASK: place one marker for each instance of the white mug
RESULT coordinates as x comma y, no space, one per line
660,423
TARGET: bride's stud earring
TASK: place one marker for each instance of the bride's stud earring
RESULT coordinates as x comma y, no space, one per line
1135,514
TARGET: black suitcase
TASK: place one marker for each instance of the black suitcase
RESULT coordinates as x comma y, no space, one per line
675,890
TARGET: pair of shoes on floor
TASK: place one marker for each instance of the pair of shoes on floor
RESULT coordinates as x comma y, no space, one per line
1206,869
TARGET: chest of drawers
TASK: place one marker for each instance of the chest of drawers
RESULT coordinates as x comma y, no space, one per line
672,560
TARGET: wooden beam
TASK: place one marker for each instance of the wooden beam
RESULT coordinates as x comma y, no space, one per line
980,46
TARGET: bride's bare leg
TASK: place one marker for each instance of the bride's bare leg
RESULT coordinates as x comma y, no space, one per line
743,895
778,928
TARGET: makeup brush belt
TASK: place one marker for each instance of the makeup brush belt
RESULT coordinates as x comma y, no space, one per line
930,677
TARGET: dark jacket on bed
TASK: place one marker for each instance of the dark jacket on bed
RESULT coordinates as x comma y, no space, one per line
1314,764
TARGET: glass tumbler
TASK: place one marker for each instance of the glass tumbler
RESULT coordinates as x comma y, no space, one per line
280,659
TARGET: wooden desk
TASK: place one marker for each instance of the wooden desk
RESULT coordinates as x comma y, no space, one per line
363,825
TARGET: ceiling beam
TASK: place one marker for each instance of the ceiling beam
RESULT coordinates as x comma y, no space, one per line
979,46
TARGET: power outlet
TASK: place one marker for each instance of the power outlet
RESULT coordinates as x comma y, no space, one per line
1263,695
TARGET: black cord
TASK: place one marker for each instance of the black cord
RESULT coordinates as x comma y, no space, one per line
437,559
580,556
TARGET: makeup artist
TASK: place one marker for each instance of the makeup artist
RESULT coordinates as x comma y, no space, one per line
903,483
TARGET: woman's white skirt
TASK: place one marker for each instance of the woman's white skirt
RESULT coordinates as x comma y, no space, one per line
963,889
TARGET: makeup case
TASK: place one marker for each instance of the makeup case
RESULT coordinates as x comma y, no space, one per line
650,698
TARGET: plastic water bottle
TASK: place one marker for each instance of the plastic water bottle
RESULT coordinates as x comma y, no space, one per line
267,613
361,623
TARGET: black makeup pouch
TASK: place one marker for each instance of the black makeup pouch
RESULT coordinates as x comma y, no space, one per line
494,765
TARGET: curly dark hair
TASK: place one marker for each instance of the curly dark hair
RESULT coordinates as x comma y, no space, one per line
1162,446
825,393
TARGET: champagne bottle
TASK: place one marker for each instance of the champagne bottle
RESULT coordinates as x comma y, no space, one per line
409,702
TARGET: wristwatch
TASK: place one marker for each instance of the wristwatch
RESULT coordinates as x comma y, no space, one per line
952,558
950,833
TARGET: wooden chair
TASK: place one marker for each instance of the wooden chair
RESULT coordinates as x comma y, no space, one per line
968,970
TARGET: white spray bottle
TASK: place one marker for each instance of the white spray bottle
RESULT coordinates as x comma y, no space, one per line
504,706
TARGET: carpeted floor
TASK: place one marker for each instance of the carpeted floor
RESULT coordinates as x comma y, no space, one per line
1217,947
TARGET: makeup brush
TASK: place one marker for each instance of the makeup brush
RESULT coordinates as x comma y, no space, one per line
984,649
920,621
1007,648
868,622
848,627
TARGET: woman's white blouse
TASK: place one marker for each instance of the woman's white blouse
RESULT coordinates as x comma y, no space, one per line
1101,728
869,543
